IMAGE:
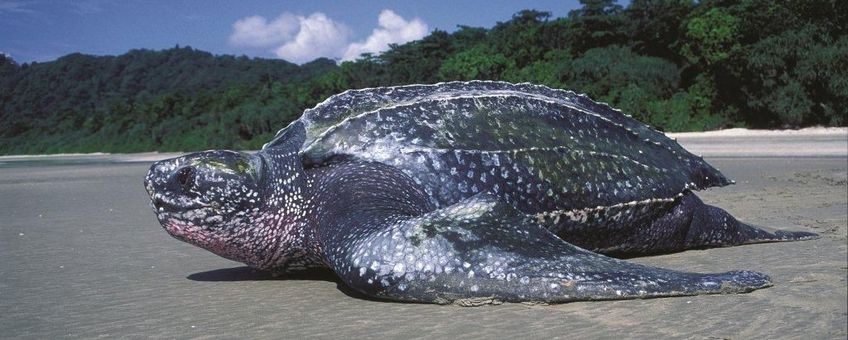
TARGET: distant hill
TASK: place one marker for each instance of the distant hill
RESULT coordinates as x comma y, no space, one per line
81,102
678,65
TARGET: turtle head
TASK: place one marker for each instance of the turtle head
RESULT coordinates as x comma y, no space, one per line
203,198
234,204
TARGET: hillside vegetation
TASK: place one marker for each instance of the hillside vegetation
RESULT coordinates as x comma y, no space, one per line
677,65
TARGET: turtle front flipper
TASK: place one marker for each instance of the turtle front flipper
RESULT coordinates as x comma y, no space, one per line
481,250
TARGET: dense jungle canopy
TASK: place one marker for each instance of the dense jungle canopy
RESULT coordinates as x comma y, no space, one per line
679,65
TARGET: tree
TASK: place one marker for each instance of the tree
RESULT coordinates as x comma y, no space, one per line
550,71
417,61
803,85
477,63
520,39
598,23
603,71
656,26
711,37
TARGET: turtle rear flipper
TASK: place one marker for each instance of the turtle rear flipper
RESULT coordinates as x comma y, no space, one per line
481,250
658,226
714,227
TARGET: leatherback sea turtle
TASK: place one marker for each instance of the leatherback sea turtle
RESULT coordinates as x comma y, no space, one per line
463,192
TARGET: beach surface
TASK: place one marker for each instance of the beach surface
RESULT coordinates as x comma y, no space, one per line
84,257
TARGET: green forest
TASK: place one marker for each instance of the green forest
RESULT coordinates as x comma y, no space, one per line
678,65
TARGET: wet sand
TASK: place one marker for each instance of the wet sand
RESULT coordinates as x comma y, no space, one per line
83,256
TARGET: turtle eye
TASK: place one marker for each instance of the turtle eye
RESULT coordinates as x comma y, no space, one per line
185,177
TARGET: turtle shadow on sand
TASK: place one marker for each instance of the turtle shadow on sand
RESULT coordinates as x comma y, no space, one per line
245,273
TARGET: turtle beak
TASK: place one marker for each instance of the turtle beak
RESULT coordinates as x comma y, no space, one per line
156,181
154,175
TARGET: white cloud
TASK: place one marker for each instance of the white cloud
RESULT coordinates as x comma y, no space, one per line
319,36
88,6
256,31
301,39
15,6
393,30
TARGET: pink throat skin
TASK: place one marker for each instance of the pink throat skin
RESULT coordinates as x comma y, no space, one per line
197,236
265,241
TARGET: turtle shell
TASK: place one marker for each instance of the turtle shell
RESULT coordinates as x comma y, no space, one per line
540,149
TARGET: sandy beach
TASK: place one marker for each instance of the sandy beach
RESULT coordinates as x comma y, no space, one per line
84,257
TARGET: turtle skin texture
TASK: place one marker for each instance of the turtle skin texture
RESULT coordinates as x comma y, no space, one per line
464,192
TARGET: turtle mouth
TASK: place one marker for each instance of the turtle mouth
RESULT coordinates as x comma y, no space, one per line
176,227
193,234
163,203
186,223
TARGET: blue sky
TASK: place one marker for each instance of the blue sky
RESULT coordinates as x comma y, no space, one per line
43,30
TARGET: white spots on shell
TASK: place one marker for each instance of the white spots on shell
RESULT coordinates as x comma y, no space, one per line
398,269
442,124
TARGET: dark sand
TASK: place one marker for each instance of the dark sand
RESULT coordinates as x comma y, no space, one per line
83,256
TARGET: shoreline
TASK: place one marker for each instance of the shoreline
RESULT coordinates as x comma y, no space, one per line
741,132
736,142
